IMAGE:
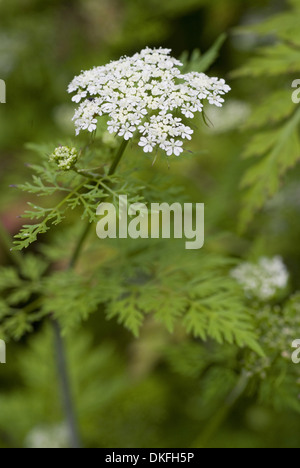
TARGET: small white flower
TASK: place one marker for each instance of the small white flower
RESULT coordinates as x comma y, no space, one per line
216,100
93,126
127,131
187,132
79,96
188,113
147,147
112,127
173,147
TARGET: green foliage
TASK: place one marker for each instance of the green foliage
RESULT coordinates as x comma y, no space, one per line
194,363
270,378
84,190
40,394
279,150
207,302
277,382
201,63
19,309
277,143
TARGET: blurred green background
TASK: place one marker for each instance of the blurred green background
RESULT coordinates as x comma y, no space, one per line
149,392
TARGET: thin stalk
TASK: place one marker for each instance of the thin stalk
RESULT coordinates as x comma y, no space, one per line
78,248
220,417
65,386
118,157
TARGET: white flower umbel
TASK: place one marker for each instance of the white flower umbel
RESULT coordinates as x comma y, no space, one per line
147,95
264,279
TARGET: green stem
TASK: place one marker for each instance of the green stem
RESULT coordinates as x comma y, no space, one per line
79,246
83,173
218,419
118,157
65,386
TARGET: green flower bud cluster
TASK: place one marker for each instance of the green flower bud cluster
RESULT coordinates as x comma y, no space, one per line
65,157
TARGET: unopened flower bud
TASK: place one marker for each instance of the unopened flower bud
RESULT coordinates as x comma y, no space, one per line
65,157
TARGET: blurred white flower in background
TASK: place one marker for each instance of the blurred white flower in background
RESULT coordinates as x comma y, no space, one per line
62,116
264,279
56,436
11,46
232,115
141,94
243,38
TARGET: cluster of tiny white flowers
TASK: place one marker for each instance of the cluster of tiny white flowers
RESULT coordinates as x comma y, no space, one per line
140,95
264,279
65,157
